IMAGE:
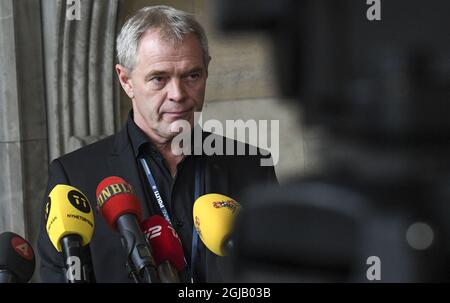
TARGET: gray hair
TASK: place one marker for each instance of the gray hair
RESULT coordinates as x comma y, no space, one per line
173,25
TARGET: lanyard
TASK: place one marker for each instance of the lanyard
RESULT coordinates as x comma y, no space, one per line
155,190
198,176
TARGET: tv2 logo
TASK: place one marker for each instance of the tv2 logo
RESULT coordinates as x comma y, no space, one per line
155,231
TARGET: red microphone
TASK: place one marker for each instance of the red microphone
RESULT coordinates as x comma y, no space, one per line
167,248
116,197
121,210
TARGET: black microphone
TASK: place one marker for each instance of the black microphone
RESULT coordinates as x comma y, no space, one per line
121,210
17,260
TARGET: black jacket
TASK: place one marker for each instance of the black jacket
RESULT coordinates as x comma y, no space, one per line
113,156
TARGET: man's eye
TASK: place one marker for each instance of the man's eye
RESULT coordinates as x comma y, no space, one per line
194,76
157,79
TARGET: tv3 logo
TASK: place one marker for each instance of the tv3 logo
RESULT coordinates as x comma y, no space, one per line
155,231
73,268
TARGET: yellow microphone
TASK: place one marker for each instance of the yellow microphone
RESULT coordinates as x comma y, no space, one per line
214,216
70,225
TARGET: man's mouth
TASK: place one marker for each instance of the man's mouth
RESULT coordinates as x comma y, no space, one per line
177,114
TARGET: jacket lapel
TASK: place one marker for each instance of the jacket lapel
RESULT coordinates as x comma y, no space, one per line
216,180
122,163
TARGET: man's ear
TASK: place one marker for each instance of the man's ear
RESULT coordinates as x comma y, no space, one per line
125,81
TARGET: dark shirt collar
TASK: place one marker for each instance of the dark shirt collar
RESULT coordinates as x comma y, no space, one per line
139,140
141,143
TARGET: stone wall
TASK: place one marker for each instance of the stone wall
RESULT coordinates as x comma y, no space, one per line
23,132
58,92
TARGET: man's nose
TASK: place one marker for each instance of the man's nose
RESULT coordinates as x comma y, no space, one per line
176,91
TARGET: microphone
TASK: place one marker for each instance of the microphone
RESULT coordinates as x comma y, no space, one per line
70,225
17,260
167,248
214,216
121,210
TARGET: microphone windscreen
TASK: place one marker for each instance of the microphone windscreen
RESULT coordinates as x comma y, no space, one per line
164,240
16,256
214,216
115,197
68,212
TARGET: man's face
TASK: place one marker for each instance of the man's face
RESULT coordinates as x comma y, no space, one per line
167,83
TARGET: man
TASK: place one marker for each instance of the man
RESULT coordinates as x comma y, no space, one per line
163,66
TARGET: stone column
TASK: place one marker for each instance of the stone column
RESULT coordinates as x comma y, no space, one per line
23,131
58,92
10,139
82,91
